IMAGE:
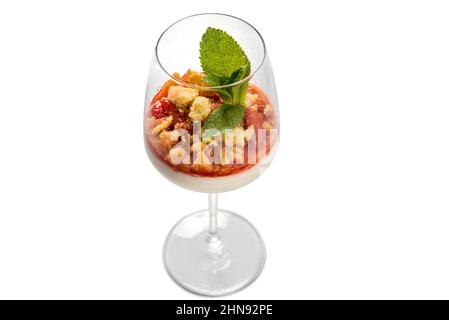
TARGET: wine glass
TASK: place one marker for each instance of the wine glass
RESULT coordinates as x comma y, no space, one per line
211,134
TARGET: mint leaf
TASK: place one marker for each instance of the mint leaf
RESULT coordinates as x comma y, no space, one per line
237,75
226,95
239,92
212,80
227,116
220,54
224,63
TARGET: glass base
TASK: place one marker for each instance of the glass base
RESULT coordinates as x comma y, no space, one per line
214,265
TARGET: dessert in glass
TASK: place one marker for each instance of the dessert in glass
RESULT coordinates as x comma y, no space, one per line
211,125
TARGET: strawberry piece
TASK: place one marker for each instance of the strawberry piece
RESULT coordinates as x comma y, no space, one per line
162,108
253,117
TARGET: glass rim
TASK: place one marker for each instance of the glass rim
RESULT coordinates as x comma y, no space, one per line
179,81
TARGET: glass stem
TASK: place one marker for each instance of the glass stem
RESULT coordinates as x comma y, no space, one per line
215,248
213,227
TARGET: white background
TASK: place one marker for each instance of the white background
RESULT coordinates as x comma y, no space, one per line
354,206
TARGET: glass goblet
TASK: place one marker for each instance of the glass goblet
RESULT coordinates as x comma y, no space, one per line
211,252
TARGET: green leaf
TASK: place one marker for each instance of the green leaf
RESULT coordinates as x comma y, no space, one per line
237,75
220,54
212,80
216,81
226,95
227,116
225,63
239,92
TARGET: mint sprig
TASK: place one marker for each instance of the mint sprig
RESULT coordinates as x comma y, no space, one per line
227,116
224,62
220,54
